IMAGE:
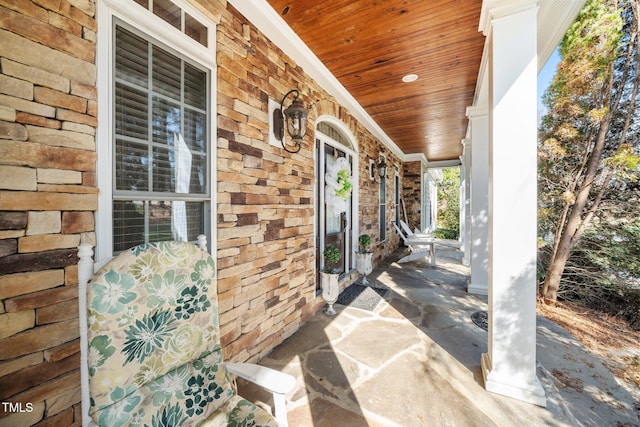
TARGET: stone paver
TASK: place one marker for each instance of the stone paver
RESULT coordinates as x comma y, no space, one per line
415,361
410,393
374,342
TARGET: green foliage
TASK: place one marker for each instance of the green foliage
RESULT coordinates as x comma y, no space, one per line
624,162
579,100
610,249
604,271
364,240
331,255
589,143
449,200
443,233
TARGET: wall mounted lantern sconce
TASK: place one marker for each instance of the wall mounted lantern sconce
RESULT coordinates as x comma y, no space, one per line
294,118
379,168
382,168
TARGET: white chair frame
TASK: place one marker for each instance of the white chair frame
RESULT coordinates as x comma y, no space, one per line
416,232
276,382
420,246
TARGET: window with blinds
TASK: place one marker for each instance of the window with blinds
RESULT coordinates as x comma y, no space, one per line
382,215
161,149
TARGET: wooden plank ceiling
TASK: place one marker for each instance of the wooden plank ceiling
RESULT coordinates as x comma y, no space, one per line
370,45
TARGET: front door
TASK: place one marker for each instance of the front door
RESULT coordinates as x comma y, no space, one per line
334,224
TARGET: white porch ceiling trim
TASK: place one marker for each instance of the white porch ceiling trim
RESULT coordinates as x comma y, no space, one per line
443,164
271,24
554,19
416,157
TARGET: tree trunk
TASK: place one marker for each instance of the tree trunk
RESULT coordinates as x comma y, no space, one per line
554,274
572,231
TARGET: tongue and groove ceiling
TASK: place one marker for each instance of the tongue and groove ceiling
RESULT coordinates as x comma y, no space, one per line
369,46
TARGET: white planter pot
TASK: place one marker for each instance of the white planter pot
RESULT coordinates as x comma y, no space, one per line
364,265
330,290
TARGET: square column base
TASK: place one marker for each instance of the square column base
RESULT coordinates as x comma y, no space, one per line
477,289
530,393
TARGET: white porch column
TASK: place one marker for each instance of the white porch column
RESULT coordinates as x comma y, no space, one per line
479,122
509,367
465,202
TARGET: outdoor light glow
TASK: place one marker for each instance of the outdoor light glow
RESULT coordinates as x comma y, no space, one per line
410,78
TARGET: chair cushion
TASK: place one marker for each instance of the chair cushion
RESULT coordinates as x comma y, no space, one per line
238,412
181,397
154,344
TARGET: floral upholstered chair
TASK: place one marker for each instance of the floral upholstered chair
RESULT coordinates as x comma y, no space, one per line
154,355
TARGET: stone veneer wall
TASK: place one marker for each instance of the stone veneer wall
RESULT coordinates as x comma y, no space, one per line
412,193
266,250
48,196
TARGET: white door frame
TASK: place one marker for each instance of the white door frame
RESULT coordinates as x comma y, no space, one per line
351,239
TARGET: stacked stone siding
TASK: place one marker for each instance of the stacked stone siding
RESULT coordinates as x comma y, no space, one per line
412,193
265,229
266,196
48,105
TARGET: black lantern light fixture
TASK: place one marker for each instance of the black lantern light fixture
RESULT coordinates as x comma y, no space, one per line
382,168
294,118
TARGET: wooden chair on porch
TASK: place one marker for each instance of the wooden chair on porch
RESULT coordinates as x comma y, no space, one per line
153,341
420,246
416,232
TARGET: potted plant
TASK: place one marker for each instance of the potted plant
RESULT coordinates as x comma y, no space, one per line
363,257
329,277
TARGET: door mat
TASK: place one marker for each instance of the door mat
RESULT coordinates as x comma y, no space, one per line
362,297
480,318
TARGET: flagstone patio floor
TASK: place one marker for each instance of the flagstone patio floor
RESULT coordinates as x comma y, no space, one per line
415,361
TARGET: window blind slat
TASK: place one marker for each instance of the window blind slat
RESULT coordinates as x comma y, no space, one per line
195,87
165,219
166,121
161,148
131,58
132,166
195,130
166,74
131,112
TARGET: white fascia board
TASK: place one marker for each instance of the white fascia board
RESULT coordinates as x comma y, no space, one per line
442,164
554,19
271,24
416,157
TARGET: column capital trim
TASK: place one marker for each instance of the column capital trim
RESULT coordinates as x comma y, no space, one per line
496,9
475,111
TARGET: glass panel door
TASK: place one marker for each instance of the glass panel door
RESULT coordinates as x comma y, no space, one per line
334,224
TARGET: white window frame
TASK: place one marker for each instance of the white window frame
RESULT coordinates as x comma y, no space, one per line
162,32
382,213
397,183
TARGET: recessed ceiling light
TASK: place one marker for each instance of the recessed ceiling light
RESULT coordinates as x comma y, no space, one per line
410,78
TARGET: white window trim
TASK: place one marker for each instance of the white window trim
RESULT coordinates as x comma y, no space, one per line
397,195
133,14
386,197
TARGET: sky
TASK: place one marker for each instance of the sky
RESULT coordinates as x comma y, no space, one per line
544,79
